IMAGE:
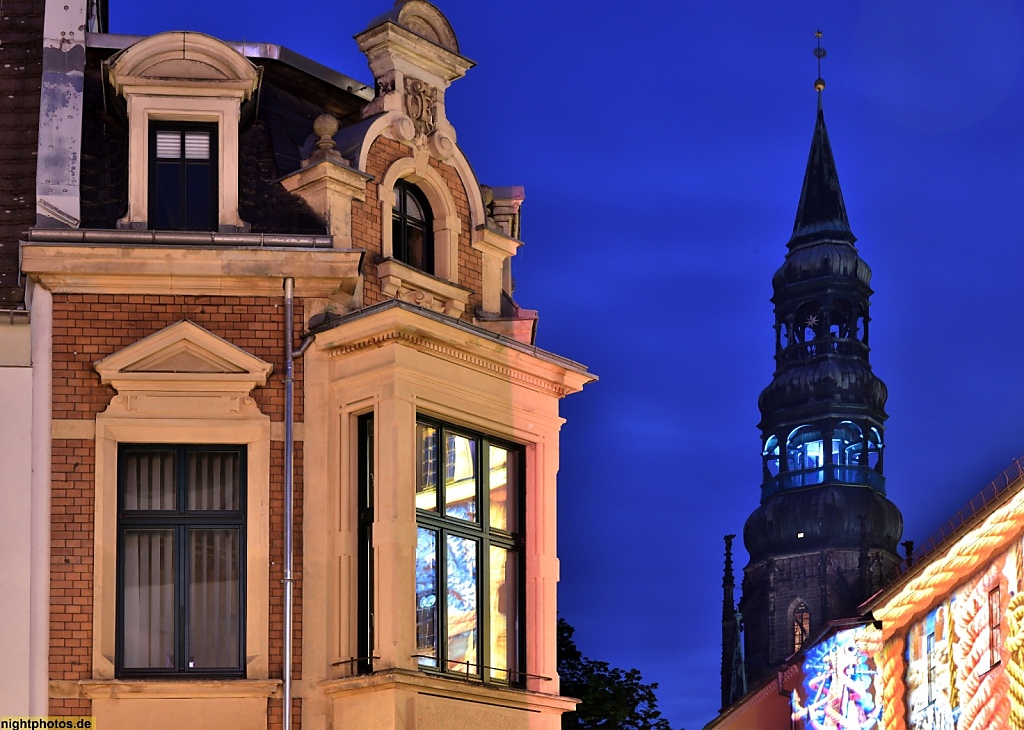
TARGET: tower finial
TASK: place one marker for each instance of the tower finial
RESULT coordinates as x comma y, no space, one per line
819,53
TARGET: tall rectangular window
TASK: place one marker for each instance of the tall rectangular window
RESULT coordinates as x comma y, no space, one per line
183,176
995,632
180,560
469,577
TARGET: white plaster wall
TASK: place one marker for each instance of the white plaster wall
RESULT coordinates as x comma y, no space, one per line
15,509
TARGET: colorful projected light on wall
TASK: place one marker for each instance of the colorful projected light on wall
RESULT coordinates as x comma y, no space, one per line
840,685
964,665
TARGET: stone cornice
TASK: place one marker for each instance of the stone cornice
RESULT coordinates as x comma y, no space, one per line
457,342
191,270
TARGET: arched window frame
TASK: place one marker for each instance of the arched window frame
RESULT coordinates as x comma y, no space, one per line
800,623
446,224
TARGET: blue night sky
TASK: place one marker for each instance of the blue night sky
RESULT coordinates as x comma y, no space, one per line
662,146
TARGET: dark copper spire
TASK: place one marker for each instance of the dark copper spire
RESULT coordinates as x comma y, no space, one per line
824,536
821,212
821,209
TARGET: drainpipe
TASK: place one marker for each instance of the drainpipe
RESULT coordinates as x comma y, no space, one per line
290,355
289,453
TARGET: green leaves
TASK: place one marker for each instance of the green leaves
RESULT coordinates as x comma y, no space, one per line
611,698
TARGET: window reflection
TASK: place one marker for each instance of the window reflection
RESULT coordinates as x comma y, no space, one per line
468,555
461,589
460,477
426,468
504,616
503,468
426,596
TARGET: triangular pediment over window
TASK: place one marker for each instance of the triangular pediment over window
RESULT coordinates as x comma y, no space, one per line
183,355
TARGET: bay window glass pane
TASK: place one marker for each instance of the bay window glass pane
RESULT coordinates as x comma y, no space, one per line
502,479
149,480
426,596
504,614
426,467
460,477
461,584
148,599
214,610
213,480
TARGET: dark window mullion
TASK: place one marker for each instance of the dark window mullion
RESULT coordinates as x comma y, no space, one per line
181,538
182,188
441,561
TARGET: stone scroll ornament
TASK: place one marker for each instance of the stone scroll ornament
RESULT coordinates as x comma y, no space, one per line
421,105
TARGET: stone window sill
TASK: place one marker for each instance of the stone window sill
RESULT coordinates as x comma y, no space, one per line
403,282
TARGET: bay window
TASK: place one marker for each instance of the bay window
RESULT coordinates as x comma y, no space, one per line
469,595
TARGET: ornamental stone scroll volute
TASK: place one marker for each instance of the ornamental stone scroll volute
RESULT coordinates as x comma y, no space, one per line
414,56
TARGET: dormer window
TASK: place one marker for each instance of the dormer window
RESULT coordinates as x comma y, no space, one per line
183,95
412,228
183,176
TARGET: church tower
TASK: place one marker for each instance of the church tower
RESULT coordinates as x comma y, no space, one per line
824,536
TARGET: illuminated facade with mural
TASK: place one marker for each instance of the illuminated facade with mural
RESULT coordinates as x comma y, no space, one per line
942,647
289,449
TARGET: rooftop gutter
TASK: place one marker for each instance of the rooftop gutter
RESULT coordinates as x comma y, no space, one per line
175,238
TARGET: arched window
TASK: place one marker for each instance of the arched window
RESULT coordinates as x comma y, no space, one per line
847,444
805,449
412,239
801,625
771,457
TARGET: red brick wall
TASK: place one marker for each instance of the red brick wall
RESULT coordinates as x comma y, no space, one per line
366,224
87,328
71,566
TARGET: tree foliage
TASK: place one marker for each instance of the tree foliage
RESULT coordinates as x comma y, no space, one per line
610,697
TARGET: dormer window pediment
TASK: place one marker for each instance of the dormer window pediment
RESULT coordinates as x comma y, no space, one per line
183,79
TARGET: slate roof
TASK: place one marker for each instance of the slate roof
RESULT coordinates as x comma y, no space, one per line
276,126
21,69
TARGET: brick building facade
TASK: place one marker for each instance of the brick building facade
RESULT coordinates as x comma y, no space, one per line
173,415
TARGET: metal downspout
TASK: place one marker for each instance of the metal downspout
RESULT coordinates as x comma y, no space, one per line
289,452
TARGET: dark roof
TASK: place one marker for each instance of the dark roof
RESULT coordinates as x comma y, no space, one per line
821,212
276,126
20,81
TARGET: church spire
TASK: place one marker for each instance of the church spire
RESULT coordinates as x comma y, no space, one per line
824,521
821,209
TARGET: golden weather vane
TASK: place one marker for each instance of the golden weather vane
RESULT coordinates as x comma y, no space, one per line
819,53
